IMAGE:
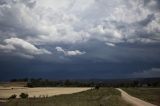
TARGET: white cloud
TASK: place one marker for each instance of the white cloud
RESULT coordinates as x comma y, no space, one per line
154,72
7,48
69,53
110,44
76,21
129,12
59,49
103,33
48,25
154,25
131,21
74,53
22,47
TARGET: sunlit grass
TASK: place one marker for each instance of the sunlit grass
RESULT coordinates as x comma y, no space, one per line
101,97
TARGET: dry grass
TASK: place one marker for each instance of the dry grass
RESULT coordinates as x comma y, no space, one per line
101,97
151,95
6,92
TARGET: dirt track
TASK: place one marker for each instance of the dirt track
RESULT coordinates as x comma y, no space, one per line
133,100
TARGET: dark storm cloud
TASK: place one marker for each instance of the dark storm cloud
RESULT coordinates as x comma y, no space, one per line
153,72
2,2
28,68
78,38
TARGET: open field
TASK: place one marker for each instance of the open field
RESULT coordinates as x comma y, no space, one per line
6,92
101,97
151,95
73,96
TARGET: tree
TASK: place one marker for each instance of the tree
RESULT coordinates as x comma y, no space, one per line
96,87
23,95
12,96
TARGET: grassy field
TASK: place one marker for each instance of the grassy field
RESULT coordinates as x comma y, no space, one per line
151,95
101,97
6,92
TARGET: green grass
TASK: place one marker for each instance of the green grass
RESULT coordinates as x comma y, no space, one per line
151,95
101,97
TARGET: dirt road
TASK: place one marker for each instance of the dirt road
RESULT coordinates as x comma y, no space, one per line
133,100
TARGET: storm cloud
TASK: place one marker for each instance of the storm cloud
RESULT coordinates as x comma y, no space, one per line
78,31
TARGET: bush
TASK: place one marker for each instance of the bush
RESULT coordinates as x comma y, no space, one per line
23,95
96,87
12,96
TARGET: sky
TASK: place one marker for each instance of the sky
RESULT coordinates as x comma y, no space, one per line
79,39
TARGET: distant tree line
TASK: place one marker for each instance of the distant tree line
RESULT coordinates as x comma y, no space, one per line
39,82
19,80
57,83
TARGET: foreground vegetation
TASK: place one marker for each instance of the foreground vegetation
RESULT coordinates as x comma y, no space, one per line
151,95
94,97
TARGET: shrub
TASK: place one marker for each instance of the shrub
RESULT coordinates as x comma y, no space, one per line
23,95
96,87
12,96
